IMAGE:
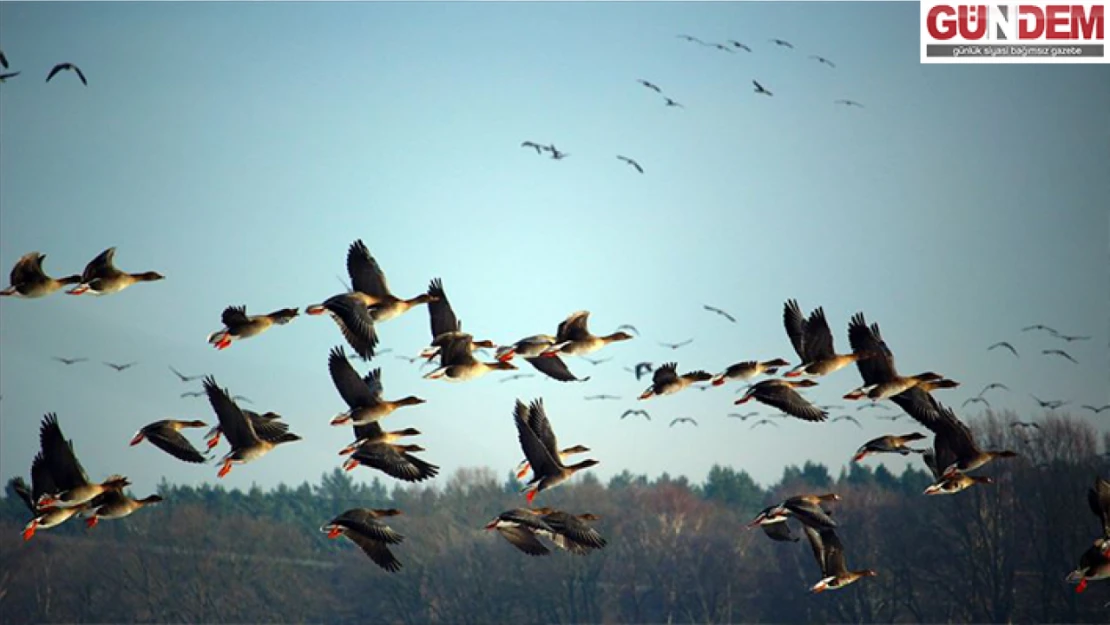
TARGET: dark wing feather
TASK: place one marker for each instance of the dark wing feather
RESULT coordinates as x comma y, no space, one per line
23,492
809,514
175,444
575,529
366,276
525,517
233,423
401,465
819,338
57,453
54,70
665,374
538,421
456,350
363,522
555,368
573,328
954,435
523,539
234,316
834,553
379,552
354,390
439,310
880,367
370,430
266,429
80,75
542,461
355,323
789,401
28,269
795,324
817,544
919,405
1099,499
780,532
101,265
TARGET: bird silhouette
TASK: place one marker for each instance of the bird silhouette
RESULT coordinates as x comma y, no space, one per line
847,418
119,367
69,361
6,76
194,394
1025,425
890,417
737,44
3,60
597,361
70,67
631,162
676,345
1051,404
849,103
742,417
821,59
780,42
1041,326
1005,345
1059,352
993,385
535,146
650,85
683,420
760,89
719,312
1072,338
602,396
1096,410
763,422
631,328
672,102
186,378
870,405
633,412
642,369
976,400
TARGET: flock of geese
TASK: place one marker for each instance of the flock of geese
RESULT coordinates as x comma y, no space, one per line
60,487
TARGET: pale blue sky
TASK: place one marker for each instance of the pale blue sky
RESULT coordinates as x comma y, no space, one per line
239,148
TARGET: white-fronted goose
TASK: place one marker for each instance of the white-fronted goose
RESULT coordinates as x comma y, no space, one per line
101,277
541,448
524,467
532,349
29,281
749,369
444,321
368,278
362,395
667,381
362,527
806,508
889,444
42,485
573,337
268,426
393,460
69,477
239,325
829,552
246,445
457,363
166,435
876,366
781,394
813,342
519,527
116,505
954,445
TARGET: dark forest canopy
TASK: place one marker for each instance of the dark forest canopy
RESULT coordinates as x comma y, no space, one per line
678,551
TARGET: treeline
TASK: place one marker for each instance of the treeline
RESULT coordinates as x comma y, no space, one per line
678,552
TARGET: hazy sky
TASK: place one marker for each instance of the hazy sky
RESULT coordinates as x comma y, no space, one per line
239,148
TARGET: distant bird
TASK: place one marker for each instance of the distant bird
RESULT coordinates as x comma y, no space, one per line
674,103
541,449
737,44
28,280
69,361
667,381
692,39
683,420
759,89
193,394
993,385
631,328
186,378
362,527
649,85
598,361
1051,404
411,360
631,162
849,103
676,345
518,376
531,144
847,418
1005,345
763,422
119,367
642,369
602,396
890,417
780,42
67,66
1072,338
780,394
821,59
829,407
556,154
1041,327
633,412
743,417
3,60
5,77
719,312
976,400
1059,352
166,435
1096,410
1025,425
866,406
